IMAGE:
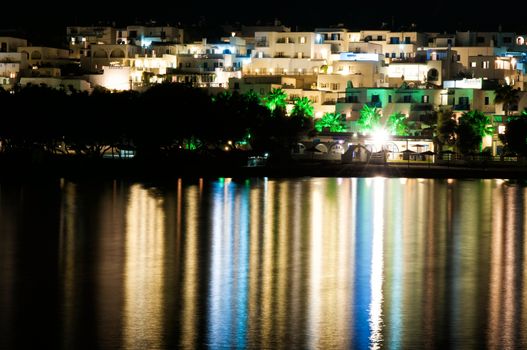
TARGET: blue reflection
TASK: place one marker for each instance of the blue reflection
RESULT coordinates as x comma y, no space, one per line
228,289
362,273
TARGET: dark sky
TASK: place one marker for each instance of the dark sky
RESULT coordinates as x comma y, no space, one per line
44,17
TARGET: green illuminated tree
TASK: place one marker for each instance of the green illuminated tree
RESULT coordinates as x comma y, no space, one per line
252,96
397,124
473,126
331,121
302,113
370,118
275,99
303,107
507,95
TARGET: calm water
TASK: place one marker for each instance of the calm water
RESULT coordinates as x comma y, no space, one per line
307,263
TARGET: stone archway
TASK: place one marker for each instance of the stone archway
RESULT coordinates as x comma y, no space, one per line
117,53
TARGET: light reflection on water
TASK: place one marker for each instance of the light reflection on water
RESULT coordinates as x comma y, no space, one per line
260,263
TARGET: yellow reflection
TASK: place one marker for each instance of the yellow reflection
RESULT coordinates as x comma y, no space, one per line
316,271
144,271
495,303
377,263
190,267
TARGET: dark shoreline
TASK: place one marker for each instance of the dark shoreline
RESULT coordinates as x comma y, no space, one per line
77,168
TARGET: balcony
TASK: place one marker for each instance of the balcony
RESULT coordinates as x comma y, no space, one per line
262,43
376,104
462,107
421,107
285,41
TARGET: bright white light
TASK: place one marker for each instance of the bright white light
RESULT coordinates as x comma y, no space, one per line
380,136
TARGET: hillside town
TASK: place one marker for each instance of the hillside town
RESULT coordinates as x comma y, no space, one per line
350,79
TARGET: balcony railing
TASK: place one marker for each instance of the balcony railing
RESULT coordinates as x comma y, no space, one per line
376,104
462,107
421,107
262,43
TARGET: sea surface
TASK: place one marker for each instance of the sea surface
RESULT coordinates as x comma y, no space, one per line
309,263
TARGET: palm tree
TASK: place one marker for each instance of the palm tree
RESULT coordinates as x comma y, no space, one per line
369,119
473,126
331,121
275,99
303,107
397,124
507,95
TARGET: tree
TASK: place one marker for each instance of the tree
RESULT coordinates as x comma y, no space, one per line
507,95
369,119
473,126
275,99
303,107
331,121
516,135
397,124
302,112
446,128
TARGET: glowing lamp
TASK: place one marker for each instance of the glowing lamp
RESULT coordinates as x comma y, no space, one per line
380,136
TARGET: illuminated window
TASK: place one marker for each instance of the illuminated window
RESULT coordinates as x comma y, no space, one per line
501,129
473,64
302,40
485,64
425,99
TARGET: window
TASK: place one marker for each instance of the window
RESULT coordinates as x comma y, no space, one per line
394,40
473,64
375,98
407,40
236,86
485,64
425,99
352,99
335,36
393,55
401,55
480,39
464,101
487,100
302,40
335,86
387,55
379,37
279,54
449,42
389,98
407,98
323,85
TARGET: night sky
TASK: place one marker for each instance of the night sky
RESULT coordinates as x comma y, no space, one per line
39,19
